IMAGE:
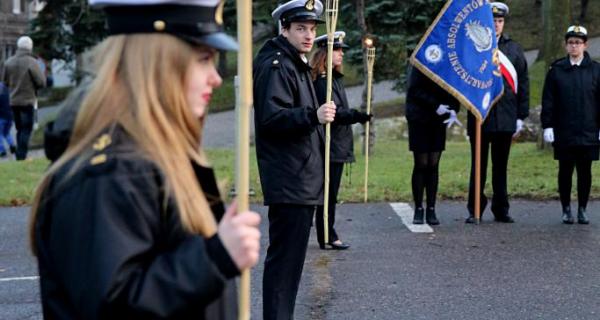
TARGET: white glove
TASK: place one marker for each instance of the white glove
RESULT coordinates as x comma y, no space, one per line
519,128
549,135
442,109
452,119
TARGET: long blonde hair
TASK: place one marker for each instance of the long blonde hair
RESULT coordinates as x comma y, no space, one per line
140,86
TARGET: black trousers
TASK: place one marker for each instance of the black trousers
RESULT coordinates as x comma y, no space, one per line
289,230
23,116
335,178
584,180
500,149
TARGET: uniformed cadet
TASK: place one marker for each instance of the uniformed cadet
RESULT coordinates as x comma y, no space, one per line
429,111
289,149
503,123
571,119
342,142
125,223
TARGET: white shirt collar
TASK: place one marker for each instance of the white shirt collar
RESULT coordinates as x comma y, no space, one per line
576,62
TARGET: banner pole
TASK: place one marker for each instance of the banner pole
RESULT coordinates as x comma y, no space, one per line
477,208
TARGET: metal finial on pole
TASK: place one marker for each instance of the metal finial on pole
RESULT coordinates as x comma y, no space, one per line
370,64
244,103
331,15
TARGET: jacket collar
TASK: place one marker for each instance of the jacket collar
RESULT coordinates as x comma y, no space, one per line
284,45
565,63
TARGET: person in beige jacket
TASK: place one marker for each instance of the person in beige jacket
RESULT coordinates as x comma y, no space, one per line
23,76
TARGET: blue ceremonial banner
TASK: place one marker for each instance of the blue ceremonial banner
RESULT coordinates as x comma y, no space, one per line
460,53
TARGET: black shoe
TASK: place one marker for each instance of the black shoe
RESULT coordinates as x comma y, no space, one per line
504,219
2,154
567,217
470,220
13,149
430,217
418,217
339,246
581,218
322,246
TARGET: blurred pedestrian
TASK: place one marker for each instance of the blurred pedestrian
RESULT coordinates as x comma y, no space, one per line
22,74
6,120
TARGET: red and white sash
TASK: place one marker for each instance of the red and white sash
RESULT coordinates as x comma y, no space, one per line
509,72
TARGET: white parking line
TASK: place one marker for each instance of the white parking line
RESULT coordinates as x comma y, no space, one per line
405,212
19,278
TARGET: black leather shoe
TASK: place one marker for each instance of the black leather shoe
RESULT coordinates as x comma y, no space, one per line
418,217
470,220
339,246
430,217
567,217
581,218
504,219
322,246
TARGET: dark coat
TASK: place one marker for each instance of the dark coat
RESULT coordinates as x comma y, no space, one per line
342,143
571,102
503,116
423,97
22,74
111,245
5,111
289,137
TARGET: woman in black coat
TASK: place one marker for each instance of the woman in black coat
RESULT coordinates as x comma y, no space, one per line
571,119
128,222
429,110
342,142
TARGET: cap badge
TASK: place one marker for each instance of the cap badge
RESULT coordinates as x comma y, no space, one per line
159,25
309,5
219,13
495,10
577,29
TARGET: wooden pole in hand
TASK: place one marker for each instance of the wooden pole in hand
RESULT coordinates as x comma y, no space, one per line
331,14
370,64
244,15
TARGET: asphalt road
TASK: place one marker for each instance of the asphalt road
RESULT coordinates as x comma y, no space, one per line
536,268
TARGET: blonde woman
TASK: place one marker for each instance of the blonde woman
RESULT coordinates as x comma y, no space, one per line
125,222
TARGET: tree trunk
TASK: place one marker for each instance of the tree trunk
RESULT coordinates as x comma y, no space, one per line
556,15
362,24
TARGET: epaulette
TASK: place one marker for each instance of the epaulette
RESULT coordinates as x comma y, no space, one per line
276,63
99,147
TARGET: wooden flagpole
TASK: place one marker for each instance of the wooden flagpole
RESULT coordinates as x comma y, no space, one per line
331,15
244,33
370,64
477,208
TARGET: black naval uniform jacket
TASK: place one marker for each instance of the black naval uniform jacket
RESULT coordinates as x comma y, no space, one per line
423,97
110,245
571,102
503,116
289,137
342,142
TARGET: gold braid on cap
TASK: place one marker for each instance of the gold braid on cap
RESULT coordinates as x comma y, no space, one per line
219,13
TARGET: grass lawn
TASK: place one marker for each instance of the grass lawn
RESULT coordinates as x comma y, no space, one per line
532,174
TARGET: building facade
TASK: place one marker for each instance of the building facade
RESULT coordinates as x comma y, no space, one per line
14,21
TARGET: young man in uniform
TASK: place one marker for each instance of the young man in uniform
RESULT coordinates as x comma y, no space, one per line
289,149
503,124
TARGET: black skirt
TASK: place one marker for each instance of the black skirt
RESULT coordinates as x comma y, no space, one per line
423,138
573,153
